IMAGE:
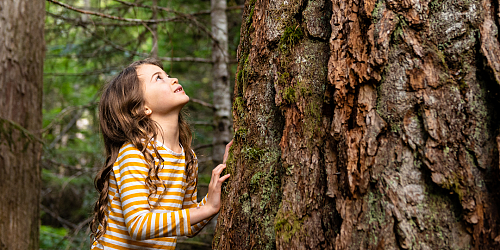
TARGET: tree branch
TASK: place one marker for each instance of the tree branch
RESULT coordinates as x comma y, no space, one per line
66,110
183,15
66,128
80,22
106,15
204,12
73,121
203,146
203,160
48,162
77,229
22,129
57,217
207,12
203,103
87,73
201,123
186,16
171,59
83,24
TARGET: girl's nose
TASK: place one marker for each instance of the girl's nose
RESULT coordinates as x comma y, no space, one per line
175,81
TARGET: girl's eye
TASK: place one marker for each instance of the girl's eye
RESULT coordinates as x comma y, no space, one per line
158,77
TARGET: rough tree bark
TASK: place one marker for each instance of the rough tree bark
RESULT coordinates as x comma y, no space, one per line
365,125
220,84
21,76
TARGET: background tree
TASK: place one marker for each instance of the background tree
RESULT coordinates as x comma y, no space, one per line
365,125
88,42
21,72
221,79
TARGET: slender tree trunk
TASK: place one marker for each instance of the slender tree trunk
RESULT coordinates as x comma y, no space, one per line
220,85
21,76
86,4
154,30
365,125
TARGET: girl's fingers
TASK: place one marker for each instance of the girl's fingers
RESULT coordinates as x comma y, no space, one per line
223,178
216,173
217,180
226,153
218,169
229,145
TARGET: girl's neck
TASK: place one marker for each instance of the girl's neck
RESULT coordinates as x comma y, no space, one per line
169,131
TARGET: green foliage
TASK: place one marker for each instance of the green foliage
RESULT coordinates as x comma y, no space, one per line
204,178
53,238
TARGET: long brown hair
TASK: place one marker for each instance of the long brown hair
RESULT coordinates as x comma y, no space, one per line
123,119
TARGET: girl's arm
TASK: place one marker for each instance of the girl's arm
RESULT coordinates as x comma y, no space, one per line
190,201
212,205
214,190
140,221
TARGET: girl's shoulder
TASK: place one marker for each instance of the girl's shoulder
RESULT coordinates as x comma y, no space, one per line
128,146
129,150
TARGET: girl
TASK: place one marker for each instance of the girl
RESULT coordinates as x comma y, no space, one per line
148,183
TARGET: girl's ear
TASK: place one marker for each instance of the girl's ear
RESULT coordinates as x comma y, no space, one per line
148,111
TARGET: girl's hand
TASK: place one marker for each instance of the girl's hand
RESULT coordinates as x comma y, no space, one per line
214,187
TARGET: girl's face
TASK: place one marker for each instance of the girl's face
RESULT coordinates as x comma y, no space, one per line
162,94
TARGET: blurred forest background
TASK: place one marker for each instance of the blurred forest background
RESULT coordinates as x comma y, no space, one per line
87,43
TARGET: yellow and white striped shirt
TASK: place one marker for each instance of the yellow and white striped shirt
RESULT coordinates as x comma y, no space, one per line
133,222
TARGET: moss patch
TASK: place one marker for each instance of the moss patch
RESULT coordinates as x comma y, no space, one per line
312,123
241,134
252,153
238,106
291,36
289,95
287,225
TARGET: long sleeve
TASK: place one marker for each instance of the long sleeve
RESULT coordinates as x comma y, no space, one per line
141,222
190,201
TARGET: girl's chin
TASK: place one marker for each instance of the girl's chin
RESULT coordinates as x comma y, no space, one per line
186,100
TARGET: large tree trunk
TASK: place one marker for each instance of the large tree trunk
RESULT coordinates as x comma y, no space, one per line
21,76
365,125
220,85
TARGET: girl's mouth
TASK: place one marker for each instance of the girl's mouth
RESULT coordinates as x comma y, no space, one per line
179,89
